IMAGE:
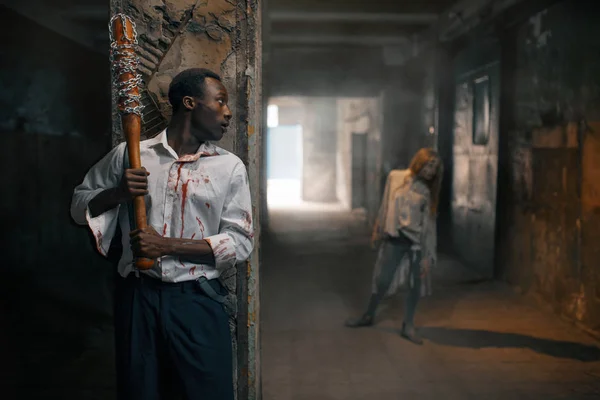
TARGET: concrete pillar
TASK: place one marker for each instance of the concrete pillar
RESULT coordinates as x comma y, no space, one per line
320,144
266,52
224,36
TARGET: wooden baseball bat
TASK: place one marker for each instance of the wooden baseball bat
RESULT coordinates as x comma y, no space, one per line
124,62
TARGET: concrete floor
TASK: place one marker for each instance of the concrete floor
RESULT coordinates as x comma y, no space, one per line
483,341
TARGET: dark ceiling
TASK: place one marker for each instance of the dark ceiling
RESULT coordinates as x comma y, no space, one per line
361,22
369,6
290,22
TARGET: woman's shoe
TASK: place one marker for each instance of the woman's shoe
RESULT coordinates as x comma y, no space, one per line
365,320
409,332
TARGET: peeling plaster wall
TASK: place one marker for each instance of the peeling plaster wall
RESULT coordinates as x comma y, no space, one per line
374,158
360,115
224,36
550,158
319,150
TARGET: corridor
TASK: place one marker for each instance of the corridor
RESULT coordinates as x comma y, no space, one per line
482,341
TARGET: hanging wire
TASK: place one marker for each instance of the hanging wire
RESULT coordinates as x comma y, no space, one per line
124,60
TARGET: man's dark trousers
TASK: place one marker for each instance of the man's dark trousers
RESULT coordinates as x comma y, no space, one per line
172,341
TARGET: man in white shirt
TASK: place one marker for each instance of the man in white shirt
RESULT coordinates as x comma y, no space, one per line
172,332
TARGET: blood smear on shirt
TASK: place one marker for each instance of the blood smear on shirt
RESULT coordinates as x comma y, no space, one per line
184,188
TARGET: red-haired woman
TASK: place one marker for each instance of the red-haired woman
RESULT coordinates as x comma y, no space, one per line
406,226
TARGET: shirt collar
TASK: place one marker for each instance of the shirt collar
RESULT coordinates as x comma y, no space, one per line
206,149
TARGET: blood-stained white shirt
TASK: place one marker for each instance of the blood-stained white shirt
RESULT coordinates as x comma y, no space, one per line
200,196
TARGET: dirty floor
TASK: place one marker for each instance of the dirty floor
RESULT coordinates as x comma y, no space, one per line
482,341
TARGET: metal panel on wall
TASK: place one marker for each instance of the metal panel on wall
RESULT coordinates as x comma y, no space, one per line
475,154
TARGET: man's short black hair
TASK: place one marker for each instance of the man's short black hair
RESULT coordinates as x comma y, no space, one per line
190,82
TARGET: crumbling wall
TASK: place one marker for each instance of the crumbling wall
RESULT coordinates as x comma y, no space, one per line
374,158
224,36
319,150
361,115
550,158
350,120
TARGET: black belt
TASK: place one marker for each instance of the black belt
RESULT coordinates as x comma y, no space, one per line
201,283
401,239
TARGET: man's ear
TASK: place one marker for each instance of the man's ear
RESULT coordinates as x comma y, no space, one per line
189,103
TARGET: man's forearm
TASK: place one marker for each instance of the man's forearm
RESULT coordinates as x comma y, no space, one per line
104,201
196,251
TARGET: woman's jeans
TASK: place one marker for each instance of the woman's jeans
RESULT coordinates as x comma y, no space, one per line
393,252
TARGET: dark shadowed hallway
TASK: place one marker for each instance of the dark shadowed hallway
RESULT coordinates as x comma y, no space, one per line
483,341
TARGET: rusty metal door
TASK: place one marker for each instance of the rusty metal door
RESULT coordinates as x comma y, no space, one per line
475,171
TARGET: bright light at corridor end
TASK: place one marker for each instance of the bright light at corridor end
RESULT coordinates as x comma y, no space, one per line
272,116
284,193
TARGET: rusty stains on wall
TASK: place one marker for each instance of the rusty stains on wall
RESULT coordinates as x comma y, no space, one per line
590,195
548,244
589,224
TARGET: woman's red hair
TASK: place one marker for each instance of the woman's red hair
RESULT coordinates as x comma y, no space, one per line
420,159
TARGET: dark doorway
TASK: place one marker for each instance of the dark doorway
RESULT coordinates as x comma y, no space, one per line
359,170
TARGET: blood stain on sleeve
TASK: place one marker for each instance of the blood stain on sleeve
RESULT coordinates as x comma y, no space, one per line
201,226
247,220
